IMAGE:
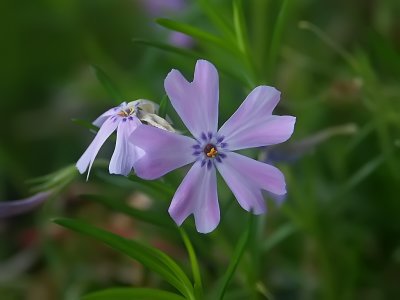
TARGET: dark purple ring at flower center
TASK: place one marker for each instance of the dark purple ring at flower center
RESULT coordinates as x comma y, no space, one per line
210,150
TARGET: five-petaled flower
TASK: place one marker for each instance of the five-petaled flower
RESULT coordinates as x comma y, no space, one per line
252,125
125,118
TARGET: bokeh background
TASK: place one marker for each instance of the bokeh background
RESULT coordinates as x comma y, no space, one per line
337,63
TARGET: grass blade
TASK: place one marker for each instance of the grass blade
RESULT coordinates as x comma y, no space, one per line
108,85
237,255
85,124
278,236
198,34
168,48
277,34
162,111
217,19
132,293
150,257
194,263
144,216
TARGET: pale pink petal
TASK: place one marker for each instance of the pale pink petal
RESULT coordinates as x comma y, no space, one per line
125,153
196,102
164,151
253,124
87,159
197,195
246,178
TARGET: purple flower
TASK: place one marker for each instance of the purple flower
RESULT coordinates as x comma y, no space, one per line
17,207
123,118
160,7
252,125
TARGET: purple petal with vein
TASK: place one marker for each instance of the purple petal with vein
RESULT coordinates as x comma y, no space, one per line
196,102
246,178
87,158
164,151
197,195
103,117
125,153
17,207
253,124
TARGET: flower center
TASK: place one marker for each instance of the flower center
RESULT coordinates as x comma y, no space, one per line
126,112
210,150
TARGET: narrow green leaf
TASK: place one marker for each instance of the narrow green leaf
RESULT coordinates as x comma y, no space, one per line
108,85
332,44
277,33
150,257
237,255
162,111
131,294
364,172
145,216
194,263
239,24
217,19
85,124
278,236
162,188
194,55
168,48
197,34
242,40
152,188
54,181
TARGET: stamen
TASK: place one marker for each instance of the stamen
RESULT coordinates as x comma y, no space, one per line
126,112
210,151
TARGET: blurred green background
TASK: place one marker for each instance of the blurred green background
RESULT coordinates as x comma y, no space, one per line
337,236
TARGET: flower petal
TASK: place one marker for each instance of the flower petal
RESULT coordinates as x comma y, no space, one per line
86,160
164,151
125,153
197,194
253,124
246,178
17,207
112,111
196,102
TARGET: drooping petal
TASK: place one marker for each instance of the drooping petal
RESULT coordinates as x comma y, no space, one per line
246,178
197,195
196,102
87,159
112,111
125,153
253,124
146,105
164,151
17,207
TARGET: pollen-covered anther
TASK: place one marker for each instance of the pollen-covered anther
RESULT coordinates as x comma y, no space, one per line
210,151
126,112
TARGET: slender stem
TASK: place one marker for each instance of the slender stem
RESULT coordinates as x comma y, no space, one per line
198,286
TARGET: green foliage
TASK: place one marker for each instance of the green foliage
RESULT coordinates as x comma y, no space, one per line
151,257
109,86
131,293
334,237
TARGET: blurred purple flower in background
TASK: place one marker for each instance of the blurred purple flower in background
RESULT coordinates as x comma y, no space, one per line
292,151
123,118
252,125
162,8
156,8
17,207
